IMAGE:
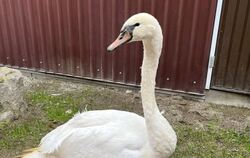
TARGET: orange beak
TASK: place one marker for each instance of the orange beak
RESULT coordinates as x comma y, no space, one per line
123,38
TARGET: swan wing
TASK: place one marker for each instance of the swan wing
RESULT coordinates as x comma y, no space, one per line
98,133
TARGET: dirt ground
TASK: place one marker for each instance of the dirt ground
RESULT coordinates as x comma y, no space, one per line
178,110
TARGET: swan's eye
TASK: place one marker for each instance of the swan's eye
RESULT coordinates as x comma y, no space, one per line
137,24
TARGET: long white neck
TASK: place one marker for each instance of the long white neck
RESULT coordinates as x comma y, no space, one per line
148,73
162,137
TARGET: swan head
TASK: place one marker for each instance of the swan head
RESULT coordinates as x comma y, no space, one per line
138,27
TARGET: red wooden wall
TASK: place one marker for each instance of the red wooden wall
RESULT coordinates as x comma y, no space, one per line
70,37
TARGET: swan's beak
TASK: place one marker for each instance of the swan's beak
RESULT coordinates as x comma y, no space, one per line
123,38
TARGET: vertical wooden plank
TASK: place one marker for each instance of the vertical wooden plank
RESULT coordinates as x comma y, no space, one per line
232,59
235,45
240,81
225,41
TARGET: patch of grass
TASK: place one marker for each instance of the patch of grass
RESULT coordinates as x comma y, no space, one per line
46,112
211,142
51,110
57,108
22,133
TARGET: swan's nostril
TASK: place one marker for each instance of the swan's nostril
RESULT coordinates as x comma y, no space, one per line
122,35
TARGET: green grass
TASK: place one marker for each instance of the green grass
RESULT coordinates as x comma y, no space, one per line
212,142
22,134
48,111
55,107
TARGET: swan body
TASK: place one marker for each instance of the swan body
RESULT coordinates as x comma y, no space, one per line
107,134
113,133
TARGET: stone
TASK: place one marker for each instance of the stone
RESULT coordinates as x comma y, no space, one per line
128,91
7,116
68,111
12,89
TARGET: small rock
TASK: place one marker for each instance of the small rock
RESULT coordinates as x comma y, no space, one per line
56,94
128,91
7,116
12,89
68,111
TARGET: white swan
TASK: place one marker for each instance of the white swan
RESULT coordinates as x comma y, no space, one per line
119,134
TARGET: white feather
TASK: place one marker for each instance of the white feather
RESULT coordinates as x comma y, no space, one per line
98,134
